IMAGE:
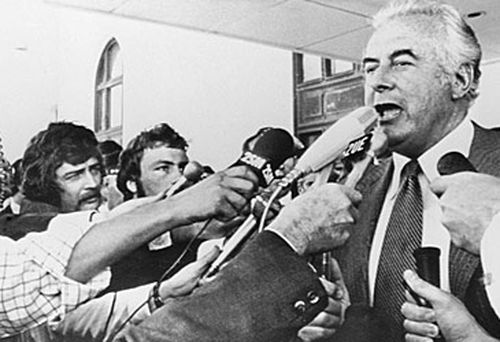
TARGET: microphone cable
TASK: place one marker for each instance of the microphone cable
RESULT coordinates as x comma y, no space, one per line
163,277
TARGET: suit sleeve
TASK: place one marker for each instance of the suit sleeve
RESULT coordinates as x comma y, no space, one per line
266,293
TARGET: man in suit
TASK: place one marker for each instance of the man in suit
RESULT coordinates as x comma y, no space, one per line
421,69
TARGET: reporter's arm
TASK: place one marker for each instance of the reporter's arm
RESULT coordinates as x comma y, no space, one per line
222,196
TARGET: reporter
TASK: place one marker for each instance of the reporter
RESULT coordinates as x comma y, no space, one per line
221,196
46,275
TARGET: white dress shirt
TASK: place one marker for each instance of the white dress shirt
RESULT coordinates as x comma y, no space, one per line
434,233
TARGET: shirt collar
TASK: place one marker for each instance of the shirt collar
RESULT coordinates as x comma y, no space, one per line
458,140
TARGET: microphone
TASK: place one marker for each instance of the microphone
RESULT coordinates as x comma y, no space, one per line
454,162
333,142
265,151
192,173
427,259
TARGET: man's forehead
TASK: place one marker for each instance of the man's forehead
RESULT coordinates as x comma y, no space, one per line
397,35
68,167
164,154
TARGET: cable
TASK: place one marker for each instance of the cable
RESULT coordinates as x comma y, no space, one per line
164,276
268,207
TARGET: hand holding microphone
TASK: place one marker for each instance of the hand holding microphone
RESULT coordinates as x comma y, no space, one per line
191,174
468,200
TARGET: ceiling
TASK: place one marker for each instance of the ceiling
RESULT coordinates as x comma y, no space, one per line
334,28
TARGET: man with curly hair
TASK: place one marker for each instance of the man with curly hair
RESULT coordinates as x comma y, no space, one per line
63,169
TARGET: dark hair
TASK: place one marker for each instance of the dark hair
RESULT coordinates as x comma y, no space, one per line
110,151
61,142
16,170
130,158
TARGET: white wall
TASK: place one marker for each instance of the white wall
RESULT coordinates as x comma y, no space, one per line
215,91
486,109
28,92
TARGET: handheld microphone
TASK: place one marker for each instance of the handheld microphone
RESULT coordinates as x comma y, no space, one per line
192,173
333,142
427,259
454,162
265,151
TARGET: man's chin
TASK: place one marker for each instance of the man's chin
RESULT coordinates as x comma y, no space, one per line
90,204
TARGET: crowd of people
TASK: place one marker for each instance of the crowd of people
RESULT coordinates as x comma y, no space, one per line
93,248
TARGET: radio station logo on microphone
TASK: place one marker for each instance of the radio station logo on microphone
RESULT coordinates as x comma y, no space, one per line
259,163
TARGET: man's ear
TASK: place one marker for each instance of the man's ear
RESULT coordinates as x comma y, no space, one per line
462,82
132,186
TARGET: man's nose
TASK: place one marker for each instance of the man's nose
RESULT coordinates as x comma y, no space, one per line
92,179
177,173
381,79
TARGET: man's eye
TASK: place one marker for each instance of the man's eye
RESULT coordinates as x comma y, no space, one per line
402,63
368,69
72,176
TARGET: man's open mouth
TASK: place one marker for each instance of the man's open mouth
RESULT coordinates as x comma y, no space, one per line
388,111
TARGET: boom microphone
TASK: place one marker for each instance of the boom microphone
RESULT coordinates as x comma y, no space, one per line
333,142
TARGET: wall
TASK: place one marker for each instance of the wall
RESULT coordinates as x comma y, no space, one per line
486,108
215,91
28,91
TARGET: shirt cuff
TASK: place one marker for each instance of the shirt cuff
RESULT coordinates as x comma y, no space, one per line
489,260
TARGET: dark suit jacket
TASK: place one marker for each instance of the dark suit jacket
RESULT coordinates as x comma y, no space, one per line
265,294
34,217
465,268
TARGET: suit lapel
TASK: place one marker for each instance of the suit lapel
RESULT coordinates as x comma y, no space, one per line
355,254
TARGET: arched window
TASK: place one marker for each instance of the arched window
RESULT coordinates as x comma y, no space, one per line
109,93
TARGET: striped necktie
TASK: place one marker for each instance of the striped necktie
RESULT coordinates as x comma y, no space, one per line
403,236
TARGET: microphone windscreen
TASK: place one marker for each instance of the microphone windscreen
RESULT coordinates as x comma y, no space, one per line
454,162
276,145
334,140
193,171
266,151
